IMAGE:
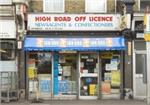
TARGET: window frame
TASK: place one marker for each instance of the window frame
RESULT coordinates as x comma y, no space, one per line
13,51
139,5
87,11
54,11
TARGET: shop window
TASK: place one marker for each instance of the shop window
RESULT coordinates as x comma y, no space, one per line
111,74
39,72
7,51
53,6
41,62
95,6
67,73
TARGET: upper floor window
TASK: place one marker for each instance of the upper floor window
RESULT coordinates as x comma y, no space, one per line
53,6
139,27
95,6
140,5
143,4
7,51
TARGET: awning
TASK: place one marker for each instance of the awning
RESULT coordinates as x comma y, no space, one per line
77,44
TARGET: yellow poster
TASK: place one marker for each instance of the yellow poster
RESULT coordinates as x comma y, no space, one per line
92,89
31,72
115,78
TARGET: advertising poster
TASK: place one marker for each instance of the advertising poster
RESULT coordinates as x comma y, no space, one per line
106,88
115,78
31,72
92,89
44,85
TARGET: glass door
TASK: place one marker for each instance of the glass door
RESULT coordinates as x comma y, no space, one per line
88,75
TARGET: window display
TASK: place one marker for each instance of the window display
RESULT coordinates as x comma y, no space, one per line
111,78
39,71
67,70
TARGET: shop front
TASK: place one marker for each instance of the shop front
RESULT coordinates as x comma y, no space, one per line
74,56
74,68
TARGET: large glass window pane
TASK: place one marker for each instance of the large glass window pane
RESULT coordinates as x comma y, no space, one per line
39,70
67,75
95,6
110,74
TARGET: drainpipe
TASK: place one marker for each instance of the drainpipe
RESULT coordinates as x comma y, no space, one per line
127,32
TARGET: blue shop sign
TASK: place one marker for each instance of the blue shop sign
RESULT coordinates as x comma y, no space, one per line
78,44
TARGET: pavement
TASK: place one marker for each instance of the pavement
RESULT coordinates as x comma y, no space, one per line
81,102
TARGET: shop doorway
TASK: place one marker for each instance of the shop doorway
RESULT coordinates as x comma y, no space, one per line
88,75
39,75
66,80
